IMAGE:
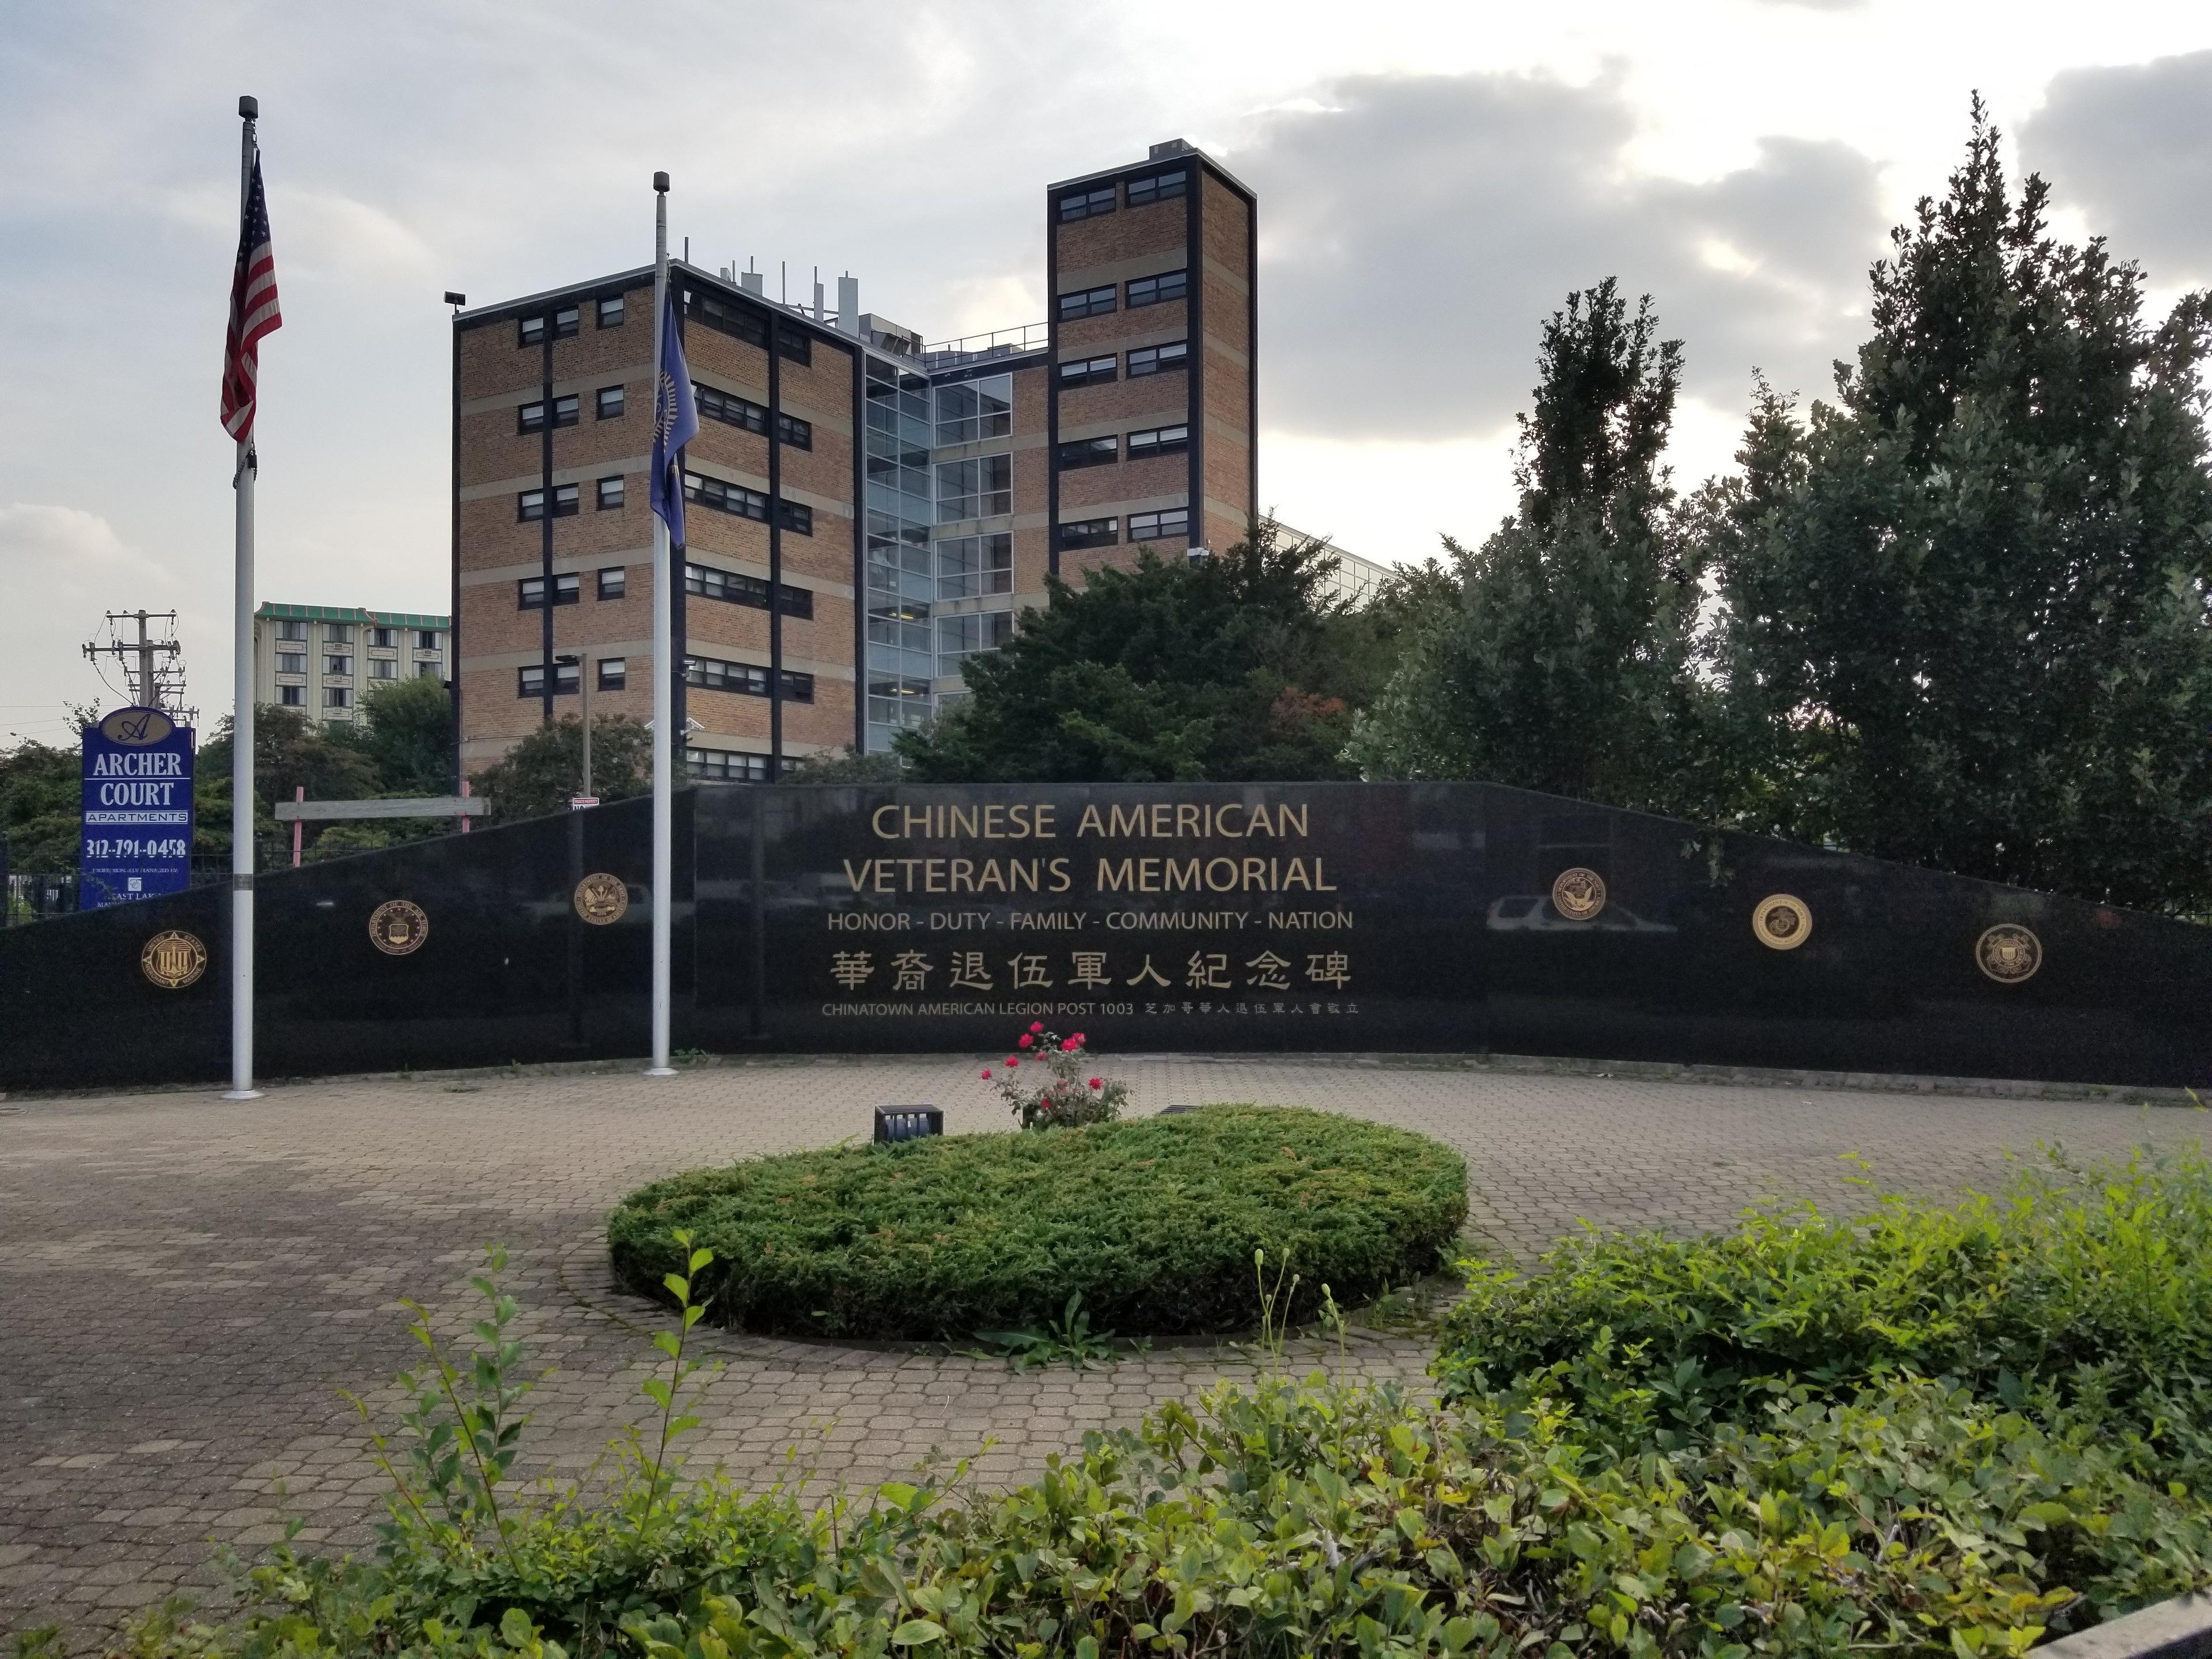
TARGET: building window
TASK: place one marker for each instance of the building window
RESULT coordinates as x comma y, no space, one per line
1088,302
794,343
969,411
1160,526
1089,371
725,766
727,316
1159,359
426,670
564,322
1158,441
610,313
530,681
798,434
726,497
291,662
337,696
528,505
1090,451
1085,205
1155,290
292,696
291,630
338,633
531,418
614,673
565,409
729,409
969,567
383,668
962,636
614,583
567,500
611,493
980,489
339,665
796,518
426,639
612,398
530,592
529,331
384,639
1160,187
747,679
1090,532
728,586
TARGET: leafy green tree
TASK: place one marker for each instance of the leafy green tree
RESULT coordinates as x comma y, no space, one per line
846,765
539,774
290,751
1564,663
1233,667
40,800
1965,620
409,737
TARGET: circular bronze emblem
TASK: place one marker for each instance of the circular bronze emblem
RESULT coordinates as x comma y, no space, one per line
1782,921
1578,894
397,926
173,960
2008,953
601,898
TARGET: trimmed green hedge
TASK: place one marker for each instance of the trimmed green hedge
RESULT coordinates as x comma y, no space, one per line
1154,1222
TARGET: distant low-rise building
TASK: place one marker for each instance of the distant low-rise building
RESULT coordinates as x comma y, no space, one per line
323,660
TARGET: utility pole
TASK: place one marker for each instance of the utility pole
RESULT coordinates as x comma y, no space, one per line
154,684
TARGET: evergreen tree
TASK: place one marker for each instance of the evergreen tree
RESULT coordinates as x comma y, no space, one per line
1563,666
1965,620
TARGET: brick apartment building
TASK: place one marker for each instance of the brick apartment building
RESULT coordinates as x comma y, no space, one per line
864,510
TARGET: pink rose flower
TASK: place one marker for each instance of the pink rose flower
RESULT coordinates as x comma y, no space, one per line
1027,1040
986,1072
1037,1025
1096,1083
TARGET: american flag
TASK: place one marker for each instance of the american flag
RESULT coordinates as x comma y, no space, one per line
253,312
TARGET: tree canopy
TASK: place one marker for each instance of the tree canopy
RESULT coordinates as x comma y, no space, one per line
540,773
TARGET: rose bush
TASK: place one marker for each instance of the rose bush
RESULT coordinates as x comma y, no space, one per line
1059,1090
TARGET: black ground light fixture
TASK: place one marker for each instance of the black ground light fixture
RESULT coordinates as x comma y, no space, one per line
896,1123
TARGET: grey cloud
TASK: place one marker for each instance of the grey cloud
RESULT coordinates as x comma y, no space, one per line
2131,148
1415,231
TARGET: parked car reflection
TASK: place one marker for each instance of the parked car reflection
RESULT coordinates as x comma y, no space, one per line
1533,913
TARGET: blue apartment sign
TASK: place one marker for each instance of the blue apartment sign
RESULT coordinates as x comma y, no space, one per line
138,808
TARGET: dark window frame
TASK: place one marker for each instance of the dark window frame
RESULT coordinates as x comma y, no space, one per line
795,432
567,409
727,407
796,517
620,396
1158,291
292,696
617,681
1158,187
1088,371
1161,443
619,584
529,331
1088,532
530,417
1078,453
1161,530
725,317
1177,360
529,506
720,765
1080,204
620,491
794,343
620,302
737,500
567,500
1075,306
426,639
566,321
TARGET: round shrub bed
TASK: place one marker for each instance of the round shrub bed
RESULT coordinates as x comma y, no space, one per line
1153,1221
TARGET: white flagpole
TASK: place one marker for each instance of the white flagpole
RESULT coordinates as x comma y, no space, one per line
663,674
241,721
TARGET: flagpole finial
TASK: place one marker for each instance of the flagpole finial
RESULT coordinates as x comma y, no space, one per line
249,108
660,183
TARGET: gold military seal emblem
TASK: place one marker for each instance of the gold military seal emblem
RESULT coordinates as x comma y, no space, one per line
1578,894
173,960
2008,953
398,926
601,898
1782,921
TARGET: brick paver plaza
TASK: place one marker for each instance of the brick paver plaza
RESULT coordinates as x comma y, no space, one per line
186,1284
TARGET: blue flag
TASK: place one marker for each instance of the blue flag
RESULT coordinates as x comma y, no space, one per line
675,423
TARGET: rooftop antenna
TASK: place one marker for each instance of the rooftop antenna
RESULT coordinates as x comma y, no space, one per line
687,250
783,278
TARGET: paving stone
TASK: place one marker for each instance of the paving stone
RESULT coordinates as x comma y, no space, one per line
188,1286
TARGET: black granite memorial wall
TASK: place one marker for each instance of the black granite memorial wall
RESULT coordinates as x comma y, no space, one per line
1341,917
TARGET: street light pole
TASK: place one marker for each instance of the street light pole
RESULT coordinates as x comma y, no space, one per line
582,662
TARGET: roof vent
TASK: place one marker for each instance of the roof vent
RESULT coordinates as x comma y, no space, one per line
1172,147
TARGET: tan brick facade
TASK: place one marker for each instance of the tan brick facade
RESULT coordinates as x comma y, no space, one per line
895,593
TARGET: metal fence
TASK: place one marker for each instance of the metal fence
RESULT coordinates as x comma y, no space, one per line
41,894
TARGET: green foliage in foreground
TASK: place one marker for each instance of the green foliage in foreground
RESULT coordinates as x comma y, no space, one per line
2098,1283
1153,1222
1668,1489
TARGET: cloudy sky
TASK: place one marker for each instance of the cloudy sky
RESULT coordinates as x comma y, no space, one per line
1432,179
